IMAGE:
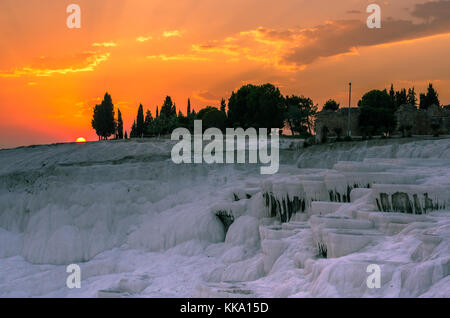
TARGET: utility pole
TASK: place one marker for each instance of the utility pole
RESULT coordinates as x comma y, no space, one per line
349,103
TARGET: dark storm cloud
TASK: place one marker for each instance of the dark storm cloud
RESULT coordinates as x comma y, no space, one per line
338,37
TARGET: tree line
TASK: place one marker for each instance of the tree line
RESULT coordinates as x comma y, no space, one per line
378,108
259,106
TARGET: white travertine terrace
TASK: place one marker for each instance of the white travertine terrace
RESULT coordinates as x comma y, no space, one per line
141,226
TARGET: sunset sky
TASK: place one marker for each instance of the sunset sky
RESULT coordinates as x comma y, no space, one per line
142,50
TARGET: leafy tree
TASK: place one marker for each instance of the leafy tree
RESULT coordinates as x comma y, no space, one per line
256,106
331,105
126,135
103,118
157,112
309,111
377,114
119,125
294,118
299,112
214,118
211,117
204,111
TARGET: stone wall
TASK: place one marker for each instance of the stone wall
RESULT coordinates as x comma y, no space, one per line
410,120
337,120
419,122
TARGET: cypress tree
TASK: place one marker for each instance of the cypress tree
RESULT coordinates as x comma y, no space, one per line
148,121
140,122
168,109
223,106
392,95
432,96
119,125
423,101
412,99
133,132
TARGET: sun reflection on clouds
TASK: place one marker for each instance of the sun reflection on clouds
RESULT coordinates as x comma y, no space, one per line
88,65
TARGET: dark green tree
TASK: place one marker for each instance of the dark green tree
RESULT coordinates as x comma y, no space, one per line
204,111
133,132
126,135
432,96
411,98
188,111
103,118
213,118
148,121
140,122
299,112
256,106
119,125
392,94
309,111
223,106
401,98
423,102
377,114
168,109
331,105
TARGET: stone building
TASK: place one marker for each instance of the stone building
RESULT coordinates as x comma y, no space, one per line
420,122
410,121
331,122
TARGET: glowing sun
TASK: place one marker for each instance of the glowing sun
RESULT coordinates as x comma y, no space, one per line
81,140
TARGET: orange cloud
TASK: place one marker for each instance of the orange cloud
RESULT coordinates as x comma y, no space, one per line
143,38
261,45
178,57
88,65
206,96
173,33
105,44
